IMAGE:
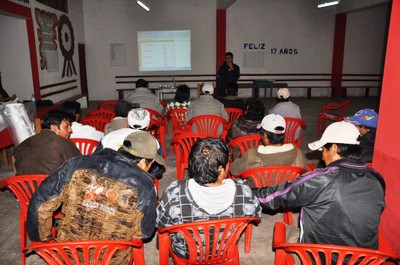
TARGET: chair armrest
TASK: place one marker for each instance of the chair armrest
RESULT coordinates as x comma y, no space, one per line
164,245
279,234
311,167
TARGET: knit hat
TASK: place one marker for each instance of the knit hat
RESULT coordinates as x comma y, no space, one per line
337,133
364,117
138,118
144,145
283,93
274,123
208,88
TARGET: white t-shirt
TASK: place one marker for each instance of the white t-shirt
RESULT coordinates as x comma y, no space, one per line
85,131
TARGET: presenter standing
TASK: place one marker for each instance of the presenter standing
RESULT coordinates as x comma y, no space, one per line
228,73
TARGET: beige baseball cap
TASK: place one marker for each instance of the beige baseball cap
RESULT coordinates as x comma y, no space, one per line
143,144
337,133
283,93
208,88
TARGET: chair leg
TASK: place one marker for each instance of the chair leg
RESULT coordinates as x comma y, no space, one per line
247,238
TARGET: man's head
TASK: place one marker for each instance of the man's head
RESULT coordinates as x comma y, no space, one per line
59,122
208,89
232,89
272,129
141,147
142,83
72,107
208,161
228,57
283,94
365,120
139,119
122,108
339,140
255,110
182,93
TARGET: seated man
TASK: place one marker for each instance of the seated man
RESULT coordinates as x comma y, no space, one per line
366,121
138,120
79,130
45,152
342,203
120,120
272,152
232,100
144,97
208,194
207,105
108,195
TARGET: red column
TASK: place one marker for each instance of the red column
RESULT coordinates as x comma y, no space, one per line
387,144
221,37
338,55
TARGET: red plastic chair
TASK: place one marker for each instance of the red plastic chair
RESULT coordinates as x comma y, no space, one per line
157,128
274,175
292,126
101,113
5,143
178,120
98,123
109,105
234,114
333,112
240,145
165,116
95,252
208,124
320,254
85,146
183,144
23,187
209,242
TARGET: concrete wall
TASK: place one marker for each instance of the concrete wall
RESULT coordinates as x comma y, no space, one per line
118,21
75,15
15,63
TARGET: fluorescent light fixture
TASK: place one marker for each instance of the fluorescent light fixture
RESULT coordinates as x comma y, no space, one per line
143,5
326,4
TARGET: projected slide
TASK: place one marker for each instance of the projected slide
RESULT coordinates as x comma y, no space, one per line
164,50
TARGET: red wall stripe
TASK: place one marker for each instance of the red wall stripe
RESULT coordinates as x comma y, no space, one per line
338,55
221,37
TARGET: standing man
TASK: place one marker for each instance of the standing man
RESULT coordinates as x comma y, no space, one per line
228,73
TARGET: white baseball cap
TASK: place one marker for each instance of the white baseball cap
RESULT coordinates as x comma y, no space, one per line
337,133
138,118
208,88
283,93
273,123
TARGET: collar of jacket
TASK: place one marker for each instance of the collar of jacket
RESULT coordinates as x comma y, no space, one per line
349,164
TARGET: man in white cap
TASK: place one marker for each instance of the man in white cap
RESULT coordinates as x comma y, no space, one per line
206,104
106,195
272,152
340,204
138,120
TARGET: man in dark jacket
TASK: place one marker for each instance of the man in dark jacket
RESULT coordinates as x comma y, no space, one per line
340,204
107,195
228,73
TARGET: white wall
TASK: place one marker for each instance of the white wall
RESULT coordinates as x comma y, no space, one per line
282,24
118,21
15,64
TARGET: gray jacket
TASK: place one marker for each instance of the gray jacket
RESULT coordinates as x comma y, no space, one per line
206,105
145,98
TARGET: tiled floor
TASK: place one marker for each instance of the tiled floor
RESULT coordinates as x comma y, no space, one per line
261,247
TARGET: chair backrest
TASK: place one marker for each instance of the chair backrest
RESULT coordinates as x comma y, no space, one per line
23,187
94,252
178,119
109,104
157,127
294,131
321,254
246,142
183,144
270,176
98,123
156,120
208,242
101,113
208,124
234,114
85,146
337,109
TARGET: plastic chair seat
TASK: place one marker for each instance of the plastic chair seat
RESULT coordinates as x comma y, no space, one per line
208,242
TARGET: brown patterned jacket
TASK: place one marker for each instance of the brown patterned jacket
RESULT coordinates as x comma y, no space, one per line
102,196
